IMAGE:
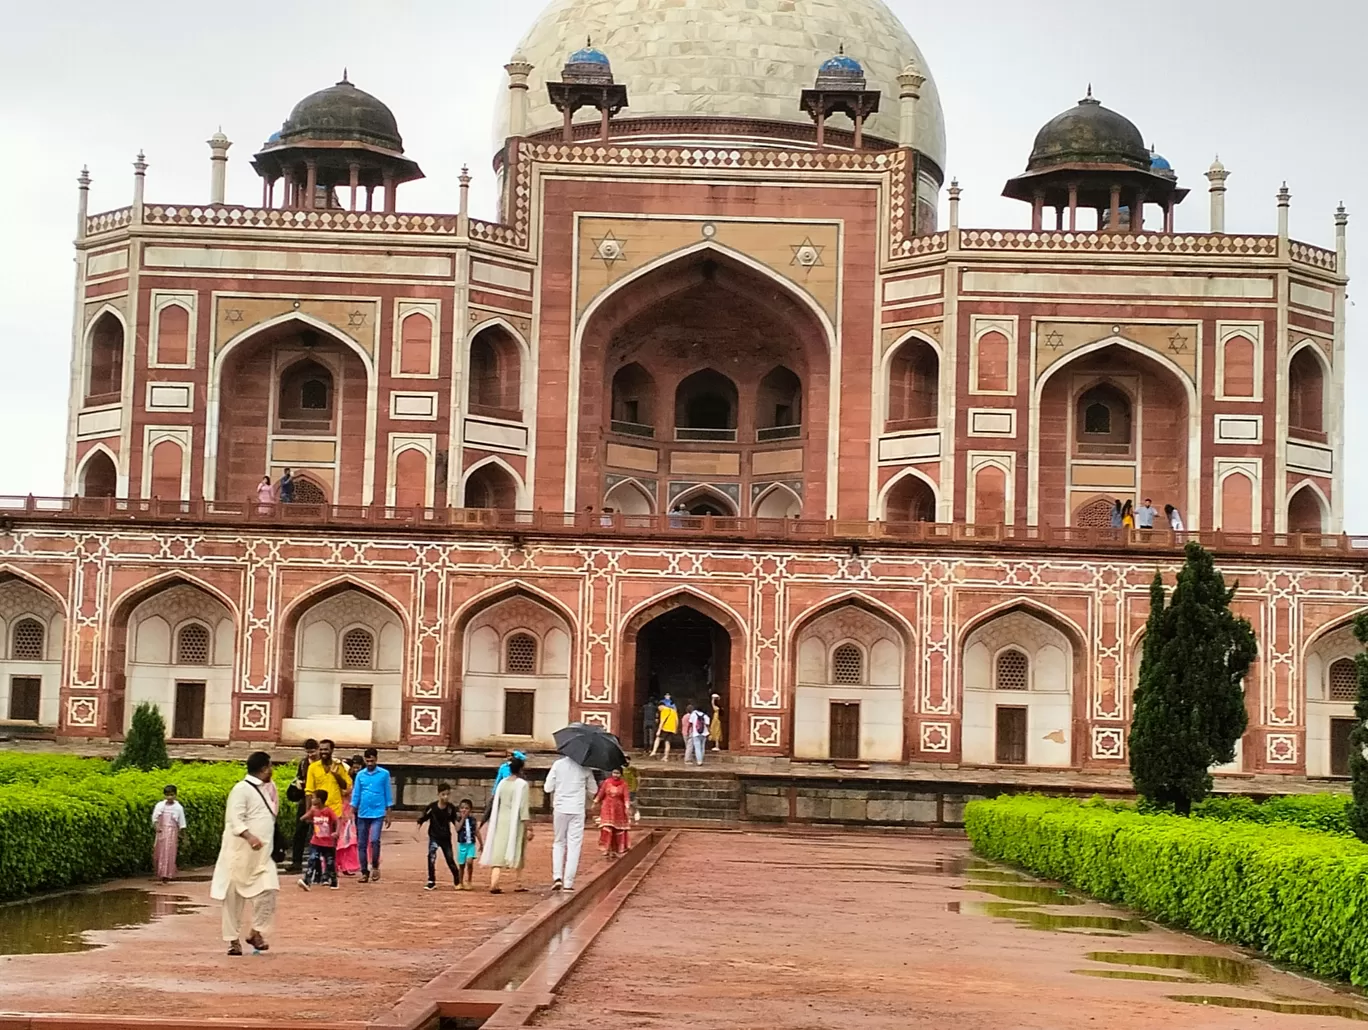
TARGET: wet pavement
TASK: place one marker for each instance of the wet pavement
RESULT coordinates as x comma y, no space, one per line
735,931
139,948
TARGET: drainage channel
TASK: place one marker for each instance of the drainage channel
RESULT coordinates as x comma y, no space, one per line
505,981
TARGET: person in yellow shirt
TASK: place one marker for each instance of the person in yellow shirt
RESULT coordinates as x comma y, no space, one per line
326,774
667,726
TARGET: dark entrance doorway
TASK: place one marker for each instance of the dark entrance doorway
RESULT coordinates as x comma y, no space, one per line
1011,735
1339,745
844,741
687,655
188,718
26,697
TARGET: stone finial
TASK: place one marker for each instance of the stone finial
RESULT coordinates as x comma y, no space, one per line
1217,176
83,180
218,166
1341,215
910,81
954,194
82,201
1284,202
139,179
909,92
518,69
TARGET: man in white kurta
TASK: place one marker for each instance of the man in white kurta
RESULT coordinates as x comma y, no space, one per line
245,877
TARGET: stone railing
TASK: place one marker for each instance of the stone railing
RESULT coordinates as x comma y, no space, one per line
1316,257
16,511
108,221
921,246
1201,245
229,217
495,232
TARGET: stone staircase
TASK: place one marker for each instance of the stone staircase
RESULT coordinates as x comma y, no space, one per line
670,796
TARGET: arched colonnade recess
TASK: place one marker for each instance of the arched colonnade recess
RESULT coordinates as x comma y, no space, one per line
1105,412
711,362
302,398
851,658
1023,679
689,646
32,640
1330,685
514,657
342,668
173,643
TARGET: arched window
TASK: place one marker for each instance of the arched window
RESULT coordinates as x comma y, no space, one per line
1343,680
104,381
490,486
1095,514
847,664
910,500
173,335
415,345
705,407
99,478
779,406
520,655
913,386
306,398
495,374
306,491
1305,513
27,643
1305,394
1103,419
634,393
192,645
1012,671
358,649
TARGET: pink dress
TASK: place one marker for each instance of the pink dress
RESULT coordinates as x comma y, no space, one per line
348,858
169,820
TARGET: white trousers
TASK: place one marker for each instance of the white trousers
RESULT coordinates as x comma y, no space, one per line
258,909
565,850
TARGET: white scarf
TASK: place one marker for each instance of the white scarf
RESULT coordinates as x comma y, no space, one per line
496,813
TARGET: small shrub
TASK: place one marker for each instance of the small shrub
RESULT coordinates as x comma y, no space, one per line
145,746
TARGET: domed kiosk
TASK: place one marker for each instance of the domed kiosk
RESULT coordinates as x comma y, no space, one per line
1090,156
337,137
713,68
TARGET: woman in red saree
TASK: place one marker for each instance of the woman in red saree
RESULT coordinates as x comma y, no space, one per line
348,858
613,815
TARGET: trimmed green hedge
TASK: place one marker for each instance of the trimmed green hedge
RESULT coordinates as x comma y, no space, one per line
1298,895
1328,813
69,821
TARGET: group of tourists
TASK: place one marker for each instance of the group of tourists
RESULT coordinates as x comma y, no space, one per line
695,729
342,808
1127,516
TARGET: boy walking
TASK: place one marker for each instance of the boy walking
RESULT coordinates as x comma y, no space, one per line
467,843
372,799
439,815
323,846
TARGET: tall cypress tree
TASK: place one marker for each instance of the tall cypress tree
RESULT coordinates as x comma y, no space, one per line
1189,707
145,746
1358,739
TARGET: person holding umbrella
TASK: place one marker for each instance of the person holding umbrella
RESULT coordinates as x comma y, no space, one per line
571,786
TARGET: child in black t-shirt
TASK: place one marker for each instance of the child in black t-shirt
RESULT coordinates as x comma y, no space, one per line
439,815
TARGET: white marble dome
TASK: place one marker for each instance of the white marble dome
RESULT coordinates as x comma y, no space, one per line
727,58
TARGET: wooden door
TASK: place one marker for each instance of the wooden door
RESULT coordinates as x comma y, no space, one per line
1011,735
356,701
845,730
188,718
1339,745
519,708
26,694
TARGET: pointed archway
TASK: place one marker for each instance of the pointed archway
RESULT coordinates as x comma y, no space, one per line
689,647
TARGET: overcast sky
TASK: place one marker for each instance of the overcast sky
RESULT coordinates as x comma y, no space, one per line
1277,89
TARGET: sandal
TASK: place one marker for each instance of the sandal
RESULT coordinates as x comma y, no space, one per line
520,890
495,890
258,942
557,885
234,948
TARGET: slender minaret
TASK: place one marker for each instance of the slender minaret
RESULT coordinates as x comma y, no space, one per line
463,212
954,194
518,69
1217,176
218,166
83,201
1284,203
139,181
1341,249
909,92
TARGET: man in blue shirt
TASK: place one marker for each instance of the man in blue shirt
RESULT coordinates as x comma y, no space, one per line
372,798
1144,515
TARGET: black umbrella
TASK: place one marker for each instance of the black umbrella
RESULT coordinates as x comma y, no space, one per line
591,746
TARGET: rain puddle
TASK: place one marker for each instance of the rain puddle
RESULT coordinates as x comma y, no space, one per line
1126,974
1296,1008
998,875
1031,894
1036,919
1211,968
59,923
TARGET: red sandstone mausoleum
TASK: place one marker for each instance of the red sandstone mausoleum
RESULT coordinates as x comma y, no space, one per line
715,406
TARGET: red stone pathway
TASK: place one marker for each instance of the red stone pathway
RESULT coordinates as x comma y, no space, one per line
801,932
